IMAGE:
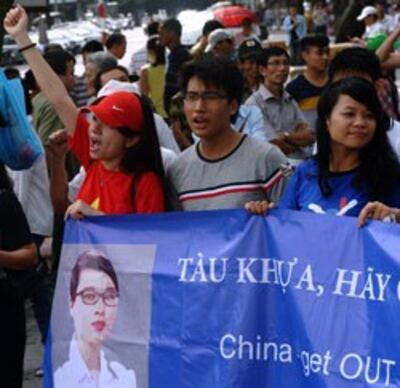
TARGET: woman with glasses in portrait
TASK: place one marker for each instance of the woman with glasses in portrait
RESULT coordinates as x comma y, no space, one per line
93,304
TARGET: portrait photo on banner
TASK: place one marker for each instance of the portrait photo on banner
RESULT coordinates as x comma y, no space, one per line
101,316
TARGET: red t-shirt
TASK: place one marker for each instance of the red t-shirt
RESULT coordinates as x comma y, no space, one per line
111,191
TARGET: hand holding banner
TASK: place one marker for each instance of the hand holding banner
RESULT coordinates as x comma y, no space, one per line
226,299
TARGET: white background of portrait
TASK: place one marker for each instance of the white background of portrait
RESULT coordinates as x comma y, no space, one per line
128,342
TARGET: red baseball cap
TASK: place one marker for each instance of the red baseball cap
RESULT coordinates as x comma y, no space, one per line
119,109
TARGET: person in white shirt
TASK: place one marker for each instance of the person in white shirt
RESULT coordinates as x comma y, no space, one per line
31,186
383,17
373,27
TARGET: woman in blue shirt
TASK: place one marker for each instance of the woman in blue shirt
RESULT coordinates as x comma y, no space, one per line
354,164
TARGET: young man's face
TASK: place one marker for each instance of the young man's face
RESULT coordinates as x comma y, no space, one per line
207,109
275,71
317,58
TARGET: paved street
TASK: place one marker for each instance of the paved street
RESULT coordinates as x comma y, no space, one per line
33,353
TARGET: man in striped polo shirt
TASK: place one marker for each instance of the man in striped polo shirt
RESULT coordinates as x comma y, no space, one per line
225,168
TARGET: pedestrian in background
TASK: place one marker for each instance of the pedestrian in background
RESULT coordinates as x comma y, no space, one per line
152,75
170,37
295,25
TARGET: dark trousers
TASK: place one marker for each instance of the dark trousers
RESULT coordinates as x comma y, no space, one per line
295,53
12,336
39,289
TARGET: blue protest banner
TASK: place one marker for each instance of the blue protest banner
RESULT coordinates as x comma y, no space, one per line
226,299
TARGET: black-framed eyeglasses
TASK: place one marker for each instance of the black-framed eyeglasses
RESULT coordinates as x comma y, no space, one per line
193,97
90,296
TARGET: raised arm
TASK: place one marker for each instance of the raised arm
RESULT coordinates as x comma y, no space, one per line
16,24
386,48
58,147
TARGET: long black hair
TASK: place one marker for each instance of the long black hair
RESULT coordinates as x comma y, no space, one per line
154,45
379,169
145,155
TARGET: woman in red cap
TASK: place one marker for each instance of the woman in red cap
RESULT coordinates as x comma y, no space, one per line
114,139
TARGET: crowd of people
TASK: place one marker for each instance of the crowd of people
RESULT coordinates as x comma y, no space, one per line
214,127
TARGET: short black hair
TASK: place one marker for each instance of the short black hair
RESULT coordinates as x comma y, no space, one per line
52,47
210,26
102,60
92,46
152,28
58,60
95,260
115,39
106,69
174,26
315,40
30,80
13,73
356,60
218,72
269,52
